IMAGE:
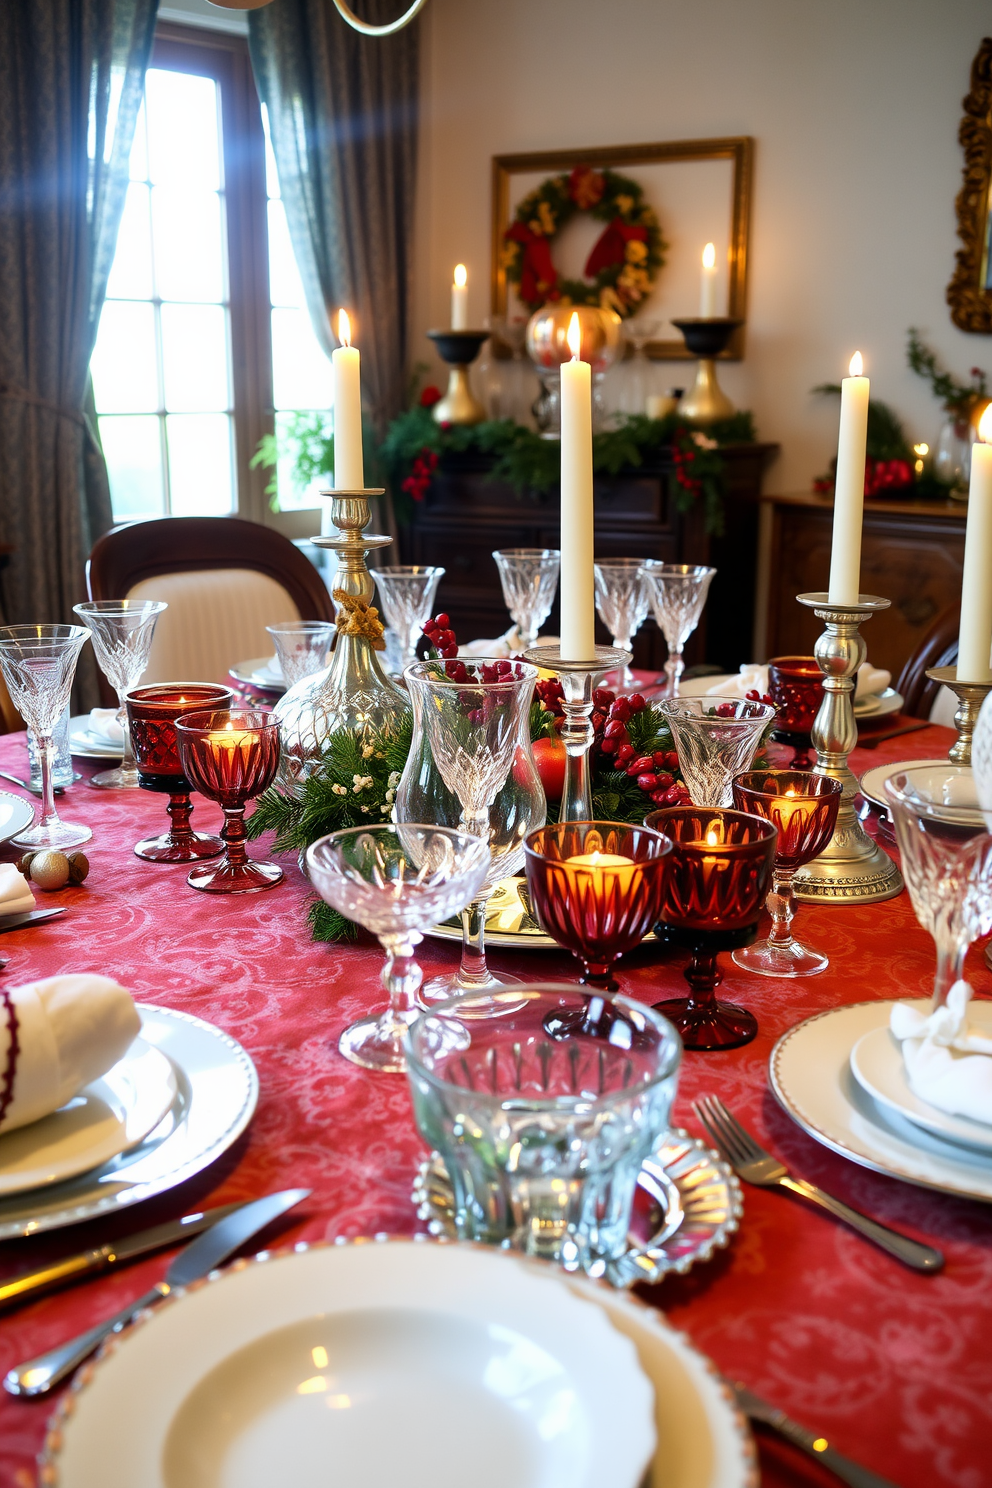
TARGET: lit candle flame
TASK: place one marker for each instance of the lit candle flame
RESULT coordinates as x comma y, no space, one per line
922,450
857,367
574,337
985,425
709,256
712,837
461,275
344,328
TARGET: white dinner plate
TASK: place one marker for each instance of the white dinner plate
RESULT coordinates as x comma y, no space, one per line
408,1362
879,1068
257,673
15,815
810,1075
107,1117
87,745
872,783
216,1093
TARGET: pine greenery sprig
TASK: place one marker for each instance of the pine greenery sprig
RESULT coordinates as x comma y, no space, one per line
958,398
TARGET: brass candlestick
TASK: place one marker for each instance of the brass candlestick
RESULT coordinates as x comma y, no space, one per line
459,349
706,338
353,693
852,868
579,679
970,696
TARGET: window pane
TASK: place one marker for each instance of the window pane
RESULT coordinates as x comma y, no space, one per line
139,149
131,274
189,255
291,498
301,373
271,174
194,356
285,284
124,365
200,475
183,133
133,451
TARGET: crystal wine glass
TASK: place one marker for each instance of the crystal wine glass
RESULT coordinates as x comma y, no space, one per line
231,758
39,663
621,603
397,881
637,333
407,593
677,593
152,712
715,739
302,647
470,766
803,809
529,577
122,632
946,861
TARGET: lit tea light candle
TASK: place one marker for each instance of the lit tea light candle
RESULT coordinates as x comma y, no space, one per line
601,860
230,738
459,299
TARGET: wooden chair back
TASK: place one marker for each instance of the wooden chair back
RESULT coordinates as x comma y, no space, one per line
938,648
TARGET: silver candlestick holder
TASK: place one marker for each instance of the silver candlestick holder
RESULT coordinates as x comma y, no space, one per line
578,679
353,693
970,697
852,868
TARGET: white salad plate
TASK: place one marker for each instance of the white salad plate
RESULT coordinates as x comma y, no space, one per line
107,1117
811,1077
87,745
216,1090
15,815
879,1068
410,1362
260,671
872,782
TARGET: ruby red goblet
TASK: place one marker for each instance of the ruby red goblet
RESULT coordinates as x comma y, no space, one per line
152,712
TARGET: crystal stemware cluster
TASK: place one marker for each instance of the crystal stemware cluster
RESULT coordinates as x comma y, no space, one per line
407,593
529,578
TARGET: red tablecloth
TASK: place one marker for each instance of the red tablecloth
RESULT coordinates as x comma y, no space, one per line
895,1368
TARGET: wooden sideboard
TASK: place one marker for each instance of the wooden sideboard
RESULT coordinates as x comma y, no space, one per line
912,554
466,515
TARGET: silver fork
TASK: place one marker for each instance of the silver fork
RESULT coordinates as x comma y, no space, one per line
755,1165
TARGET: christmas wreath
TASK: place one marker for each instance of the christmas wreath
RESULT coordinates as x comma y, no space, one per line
624,262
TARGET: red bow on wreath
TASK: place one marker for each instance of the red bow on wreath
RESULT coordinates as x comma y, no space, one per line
538,276
611,246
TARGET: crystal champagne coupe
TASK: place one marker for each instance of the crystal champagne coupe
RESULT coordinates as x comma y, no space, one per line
677,593
231,757
396,881
622,604
529,577
122,631
407,593
302,647
715,738
802,808
39,663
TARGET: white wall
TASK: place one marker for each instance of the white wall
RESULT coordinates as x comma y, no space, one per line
854,105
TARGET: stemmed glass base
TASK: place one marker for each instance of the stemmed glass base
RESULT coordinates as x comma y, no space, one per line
180,844
121,778
238,873
702,1020
473,976
780,958
55,834
376,1043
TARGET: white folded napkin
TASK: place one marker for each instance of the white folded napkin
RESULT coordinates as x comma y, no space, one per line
15,891
509,644
947,1063
56,1036
871,680
751,677
104,725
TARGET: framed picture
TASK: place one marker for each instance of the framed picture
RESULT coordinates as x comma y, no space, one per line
700,191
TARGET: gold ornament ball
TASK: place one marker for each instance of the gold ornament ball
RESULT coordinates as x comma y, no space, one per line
601,339
49,870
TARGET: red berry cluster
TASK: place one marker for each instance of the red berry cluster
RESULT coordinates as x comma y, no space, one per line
421,472
652,772
438,631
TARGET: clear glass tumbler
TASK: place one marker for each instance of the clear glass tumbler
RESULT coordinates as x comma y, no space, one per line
397,881
543,1137
407,593
122,631
677,593
715,738
529,577
39,663
622,604
302,647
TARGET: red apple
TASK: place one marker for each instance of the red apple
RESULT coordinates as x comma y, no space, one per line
549,759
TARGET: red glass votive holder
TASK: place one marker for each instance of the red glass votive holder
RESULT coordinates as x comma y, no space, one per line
719,871
795,686
802,808
152,712
231,757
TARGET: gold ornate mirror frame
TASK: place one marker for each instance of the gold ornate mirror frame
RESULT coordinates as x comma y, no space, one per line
969,293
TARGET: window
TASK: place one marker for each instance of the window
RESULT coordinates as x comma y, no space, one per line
204,340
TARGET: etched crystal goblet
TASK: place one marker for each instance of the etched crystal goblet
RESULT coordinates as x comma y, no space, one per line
407,593
397,881
677,593
802,808
122,631
38,664
622,604
715,738
946,861
302,647
231,757
470,766
529,578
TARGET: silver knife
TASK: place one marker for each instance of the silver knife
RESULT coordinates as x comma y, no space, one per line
29,1284
817,1447
199,1258
29,917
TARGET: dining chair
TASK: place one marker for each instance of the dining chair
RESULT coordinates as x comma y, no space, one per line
224,580
937,648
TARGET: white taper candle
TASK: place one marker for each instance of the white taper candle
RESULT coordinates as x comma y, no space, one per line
975,635
578,607
849,491
349,466
459,299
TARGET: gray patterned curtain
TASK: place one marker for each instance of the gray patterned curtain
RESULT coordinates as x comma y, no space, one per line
343,116
71,74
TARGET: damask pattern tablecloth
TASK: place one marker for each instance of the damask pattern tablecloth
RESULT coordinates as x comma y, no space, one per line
895,1368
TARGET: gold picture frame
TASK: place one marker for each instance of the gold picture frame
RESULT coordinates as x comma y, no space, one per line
969,293
739,149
